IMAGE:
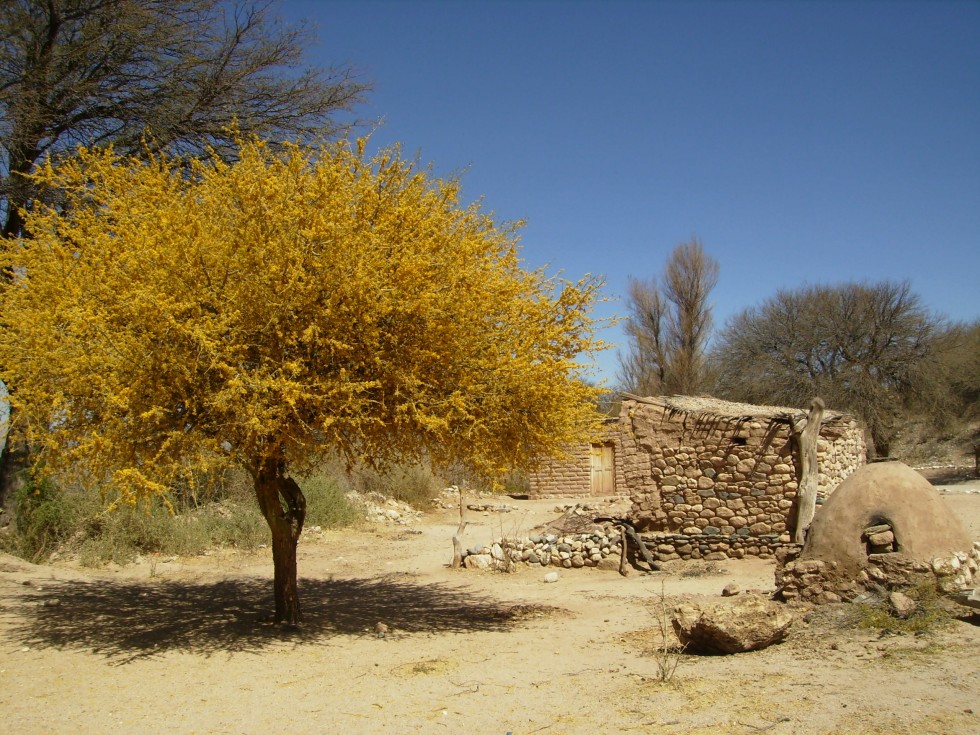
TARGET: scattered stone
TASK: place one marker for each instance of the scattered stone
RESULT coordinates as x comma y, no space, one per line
551,577
902,605
730,590
380,509
490,508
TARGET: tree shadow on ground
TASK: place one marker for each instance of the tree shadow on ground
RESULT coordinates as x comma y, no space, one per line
126,620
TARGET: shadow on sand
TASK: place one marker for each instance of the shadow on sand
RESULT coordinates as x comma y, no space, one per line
126,620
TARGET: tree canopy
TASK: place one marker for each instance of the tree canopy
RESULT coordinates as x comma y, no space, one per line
171,317
81,72
869,348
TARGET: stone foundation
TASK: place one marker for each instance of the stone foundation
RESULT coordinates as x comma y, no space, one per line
821,582
715,547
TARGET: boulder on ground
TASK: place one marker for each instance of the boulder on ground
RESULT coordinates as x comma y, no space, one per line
735,625
478,561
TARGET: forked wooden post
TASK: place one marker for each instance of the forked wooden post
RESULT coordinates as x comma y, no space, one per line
809,468
458,536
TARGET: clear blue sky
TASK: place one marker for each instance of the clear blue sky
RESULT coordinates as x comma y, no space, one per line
801,142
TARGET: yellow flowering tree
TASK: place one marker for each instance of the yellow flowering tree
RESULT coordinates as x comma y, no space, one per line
168,317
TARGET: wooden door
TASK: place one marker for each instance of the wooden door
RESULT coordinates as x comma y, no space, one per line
603,470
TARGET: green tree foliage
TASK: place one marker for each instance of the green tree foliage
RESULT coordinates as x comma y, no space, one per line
868,348
176,317
669,325
80,72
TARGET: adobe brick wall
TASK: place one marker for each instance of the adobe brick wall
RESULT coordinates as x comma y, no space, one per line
572,477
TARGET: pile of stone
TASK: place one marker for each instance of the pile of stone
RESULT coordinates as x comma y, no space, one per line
813,580
879,538
388,510
715,546
487,508
821,582
578,508
448,497
570,551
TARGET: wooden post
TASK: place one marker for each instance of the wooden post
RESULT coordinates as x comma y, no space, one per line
644,551
809,468
623,570
458,537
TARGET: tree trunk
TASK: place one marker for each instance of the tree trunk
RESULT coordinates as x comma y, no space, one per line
809,470
20,190
284,508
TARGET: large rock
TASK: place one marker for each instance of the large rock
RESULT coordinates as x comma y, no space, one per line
478,561
734,625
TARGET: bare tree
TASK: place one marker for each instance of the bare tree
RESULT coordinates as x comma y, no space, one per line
178,72
669,325
871,349
961,360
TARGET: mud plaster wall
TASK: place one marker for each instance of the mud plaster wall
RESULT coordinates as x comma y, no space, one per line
713,478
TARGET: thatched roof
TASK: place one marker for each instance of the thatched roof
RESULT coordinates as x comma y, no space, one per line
706,406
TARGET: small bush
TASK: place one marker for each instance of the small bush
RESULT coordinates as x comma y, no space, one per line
414,484
45,518
931,613
122,534
328,501
668,652
74,520
517,483
215,511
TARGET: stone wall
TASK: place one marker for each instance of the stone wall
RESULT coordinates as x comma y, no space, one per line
565,550
715,547
715,474
821,582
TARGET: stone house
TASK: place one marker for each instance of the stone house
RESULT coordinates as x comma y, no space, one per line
706,472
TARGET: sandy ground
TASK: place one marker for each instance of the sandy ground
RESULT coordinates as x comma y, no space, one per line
180,646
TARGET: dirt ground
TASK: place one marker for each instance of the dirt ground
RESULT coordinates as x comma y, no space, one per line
180,646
